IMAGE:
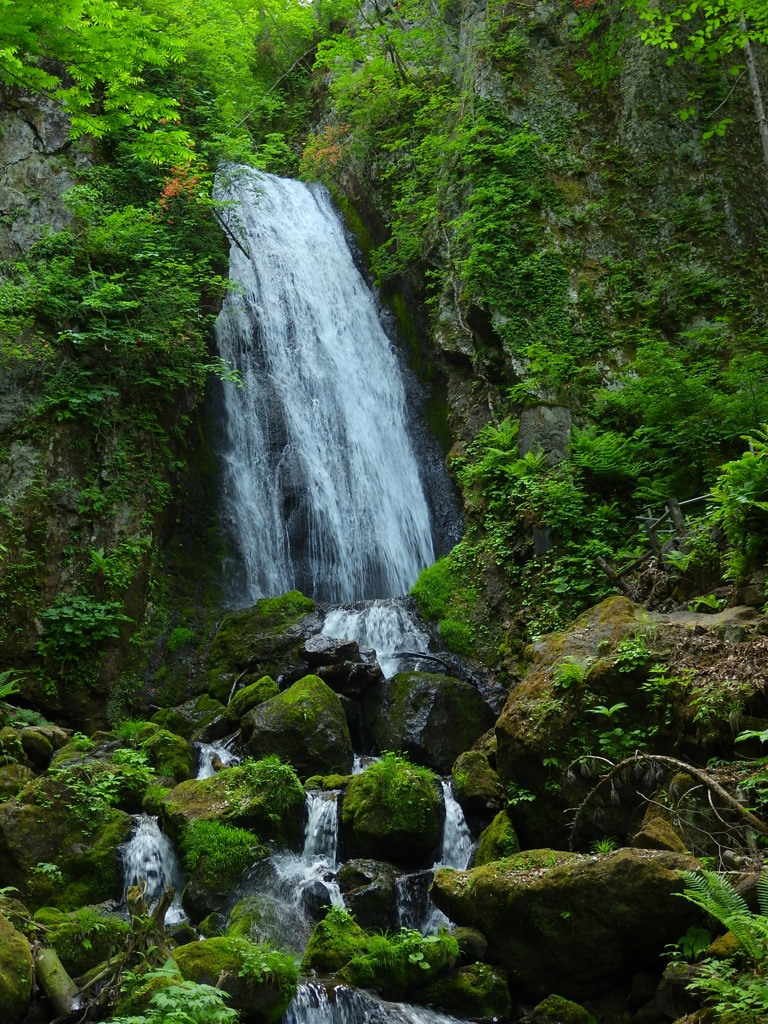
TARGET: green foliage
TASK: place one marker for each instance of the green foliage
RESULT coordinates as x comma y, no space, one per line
735,987
457,636
77,623
181,1002
571,671
741,496
605,845
433,589
632,654
95,787
50,871
180,637
223,852
399,961
278,784
517,794
393,778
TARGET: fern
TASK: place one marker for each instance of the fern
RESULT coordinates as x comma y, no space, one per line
717,897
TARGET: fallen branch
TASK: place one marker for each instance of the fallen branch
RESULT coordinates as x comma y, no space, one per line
672,764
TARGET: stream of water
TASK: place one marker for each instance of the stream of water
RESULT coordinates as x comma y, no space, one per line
149,858
321,487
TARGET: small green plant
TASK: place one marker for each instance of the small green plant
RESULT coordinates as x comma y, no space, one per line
180,637
570,672
180,1002
277,783
50,871
74,624
707,603
82,742
606,845
399,961
632,654
518,795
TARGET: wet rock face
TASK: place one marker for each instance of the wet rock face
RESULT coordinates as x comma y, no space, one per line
432,718
369,889
589,921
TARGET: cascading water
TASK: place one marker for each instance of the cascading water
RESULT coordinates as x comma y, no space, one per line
316,1004
209,754
287,891
391,628
321,487
149,857
414,907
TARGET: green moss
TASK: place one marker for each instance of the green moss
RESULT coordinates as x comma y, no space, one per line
392,809
401,962
333,943
457,636
557,1010
83,938
249,697
478,991
497,841
16,973
170,755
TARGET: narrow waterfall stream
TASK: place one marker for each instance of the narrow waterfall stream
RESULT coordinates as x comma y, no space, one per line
316,1004
388,627
211,754
321,486
149,857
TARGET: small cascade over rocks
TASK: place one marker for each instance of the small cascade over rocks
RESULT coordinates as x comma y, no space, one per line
316,1004
149,857
391,628
209,754
415,909
287,891
321,487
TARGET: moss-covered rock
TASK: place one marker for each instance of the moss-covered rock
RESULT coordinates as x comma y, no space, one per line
478,991
16,973
260,981
83,938
170,755
258,641
369,888
430,717
588,921
13,778
497,841
37,747
333,943
478,788
268,800
400,963
191,717
49,823
215,856
539,720
392,811
657,832
327,782
557,1010
305,725
250,697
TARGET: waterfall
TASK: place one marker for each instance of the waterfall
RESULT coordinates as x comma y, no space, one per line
149,857
316,1004
389,627
321,487
210,752
415,909
288,891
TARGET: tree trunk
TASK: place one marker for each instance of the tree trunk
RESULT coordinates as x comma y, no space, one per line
60,990
757,96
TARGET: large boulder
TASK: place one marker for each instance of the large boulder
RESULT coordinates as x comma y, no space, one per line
478,788
392,811
260,981
50,823
258,641
305,725
369,888
541,717
16,973
577,923
432,718
477,990
248,698
265,796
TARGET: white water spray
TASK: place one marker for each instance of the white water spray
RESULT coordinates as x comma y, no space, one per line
390,628
321,487
149,858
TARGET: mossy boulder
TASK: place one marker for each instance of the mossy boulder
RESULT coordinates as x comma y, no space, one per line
369,888
333,943
478,991
657,832
269,802
327,782
393,811
258,641
16,973
432,718
557,1010
83,938
260,981
400,963
170,755
589,921
191,717
305,725
539,719
248,698
478,788
497,841
50,823
215,856
13,778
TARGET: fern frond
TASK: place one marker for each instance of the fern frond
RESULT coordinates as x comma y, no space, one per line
714,894
762,892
